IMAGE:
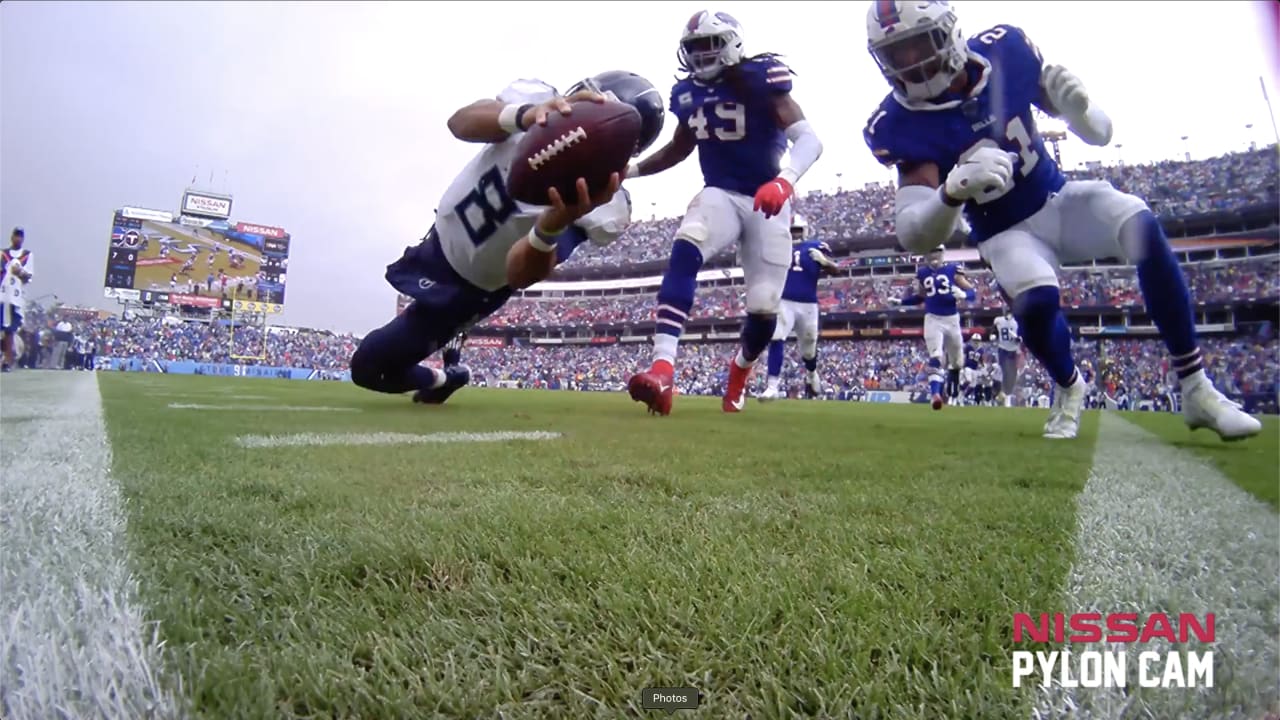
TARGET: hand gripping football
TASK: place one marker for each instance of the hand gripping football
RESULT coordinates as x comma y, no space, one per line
592,142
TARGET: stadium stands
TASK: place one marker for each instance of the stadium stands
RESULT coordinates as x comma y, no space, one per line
1233,284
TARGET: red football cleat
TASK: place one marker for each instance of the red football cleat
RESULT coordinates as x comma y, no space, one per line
938,402
654,388
735,394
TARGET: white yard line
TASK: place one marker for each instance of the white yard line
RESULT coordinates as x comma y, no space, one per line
386,438
1162,530
262,408
76,642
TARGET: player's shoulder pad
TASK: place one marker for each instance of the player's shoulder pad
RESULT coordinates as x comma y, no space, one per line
1006,43
527,91
767,72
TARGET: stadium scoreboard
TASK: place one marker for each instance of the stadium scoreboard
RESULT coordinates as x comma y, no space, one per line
199,257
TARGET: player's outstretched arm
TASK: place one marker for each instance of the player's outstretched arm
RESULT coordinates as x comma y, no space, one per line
493,121
668,156
532,258
805,150
1063,95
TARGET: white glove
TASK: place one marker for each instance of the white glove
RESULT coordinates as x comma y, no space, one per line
15,267
987,171
816,255
1064,91
959,293
893,301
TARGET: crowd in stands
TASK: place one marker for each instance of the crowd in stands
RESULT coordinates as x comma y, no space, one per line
1209,282
850,369
1172,188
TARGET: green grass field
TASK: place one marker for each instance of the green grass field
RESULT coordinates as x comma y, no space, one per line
799,560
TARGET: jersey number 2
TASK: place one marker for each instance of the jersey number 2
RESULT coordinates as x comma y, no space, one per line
490,196
733,114
1016,131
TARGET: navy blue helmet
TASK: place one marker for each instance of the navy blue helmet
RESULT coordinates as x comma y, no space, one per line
637,92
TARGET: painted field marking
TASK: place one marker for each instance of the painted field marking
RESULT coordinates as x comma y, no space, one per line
76,642
263,408
1161,530
387,438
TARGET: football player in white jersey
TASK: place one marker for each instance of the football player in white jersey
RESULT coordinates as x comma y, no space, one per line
458,274
16,270
1008,343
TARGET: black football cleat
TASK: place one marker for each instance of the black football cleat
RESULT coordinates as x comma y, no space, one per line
455,377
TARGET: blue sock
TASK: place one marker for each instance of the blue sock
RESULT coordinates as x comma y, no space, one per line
775,357
935,376
1045,332
1164,289
675,296
757,331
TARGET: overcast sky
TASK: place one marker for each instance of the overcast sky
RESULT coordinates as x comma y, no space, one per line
328,119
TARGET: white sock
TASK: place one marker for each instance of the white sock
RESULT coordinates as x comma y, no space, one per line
438,378
742,362
773,382
1194,379
665,347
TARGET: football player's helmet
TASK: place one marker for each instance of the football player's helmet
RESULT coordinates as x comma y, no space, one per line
977,338
637,92
712,41
918,46
936,256
799,228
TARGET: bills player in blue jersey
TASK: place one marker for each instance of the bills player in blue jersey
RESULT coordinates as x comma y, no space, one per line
459,273
810,259
940,285
738,113
959,127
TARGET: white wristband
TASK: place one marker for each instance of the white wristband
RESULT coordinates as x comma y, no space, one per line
538,243
509,119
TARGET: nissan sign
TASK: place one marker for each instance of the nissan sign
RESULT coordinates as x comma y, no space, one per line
263,230
217,206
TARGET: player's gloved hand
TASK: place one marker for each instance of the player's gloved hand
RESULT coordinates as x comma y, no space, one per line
557,218
771,196
539,113
816,255
958,292
1065,91
986,170
893,301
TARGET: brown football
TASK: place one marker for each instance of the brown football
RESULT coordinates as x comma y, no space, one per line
592,142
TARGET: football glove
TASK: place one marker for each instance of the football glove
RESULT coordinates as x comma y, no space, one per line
958,292
893,301
771,196
988,170
1064,91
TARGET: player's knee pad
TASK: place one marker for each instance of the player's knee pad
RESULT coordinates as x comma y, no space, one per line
365,369
763,298
695,234
808,345
1142,236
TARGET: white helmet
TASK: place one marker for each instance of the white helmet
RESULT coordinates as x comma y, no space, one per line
937,256
918,46
712,41
799,228
977,337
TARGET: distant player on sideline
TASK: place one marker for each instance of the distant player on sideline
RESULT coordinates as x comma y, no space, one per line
940,284
799,309
960,128
457,275
739,114
16,270
1008,345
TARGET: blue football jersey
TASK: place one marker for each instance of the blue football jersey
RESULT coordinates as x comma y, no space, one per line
740,145
937,284
972,357
997,113
802,279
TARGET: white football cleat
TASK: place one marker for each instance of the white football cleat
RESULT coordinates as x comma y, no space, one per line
1064,414
769,394
1204,407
